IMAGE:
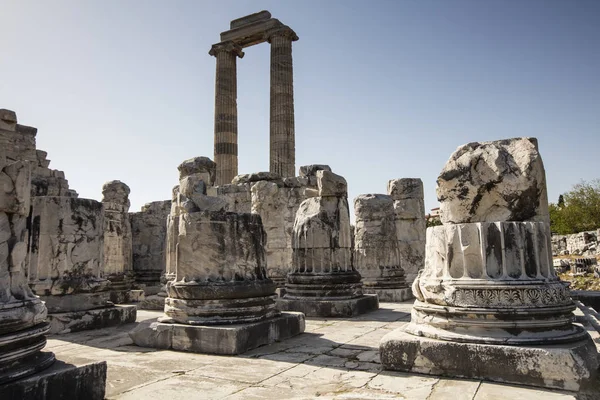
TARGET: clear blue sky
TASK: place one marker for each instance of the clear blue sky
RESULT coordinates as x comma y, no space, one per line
383,89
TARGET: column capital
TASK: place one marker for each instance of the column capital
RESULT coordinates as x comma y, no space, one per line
284,31
228,46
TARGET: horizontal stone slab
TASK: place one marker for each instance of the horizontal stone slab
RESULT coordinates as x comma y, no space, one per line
330,308
218,339
570,366
390,295
61,323
60,381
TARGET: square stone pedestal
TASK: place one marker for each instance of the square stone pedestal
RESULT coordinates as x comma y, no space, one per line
76,321
127,296
568,366
330,308
390,295
154,302
218,339
60,381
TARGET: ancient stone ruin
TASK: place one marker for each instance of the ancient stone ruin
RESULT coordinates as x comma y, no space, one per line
376,255
24,368
489,304
244,32
220,299
323,281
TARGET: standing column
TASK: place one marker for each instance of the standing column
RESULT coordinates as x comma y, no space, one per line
283,151
226,149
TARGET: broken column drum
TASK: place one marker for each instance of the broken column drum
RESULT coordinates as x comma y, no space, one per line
117,251
22,314
220,299
376,248
489,304
244,32
323,281
65,264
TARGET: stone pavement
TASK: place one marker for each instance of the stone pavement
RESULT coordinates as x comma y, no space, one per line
334,358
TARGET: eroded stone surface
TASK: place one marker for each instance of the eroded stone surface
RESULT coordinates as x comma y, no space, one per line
149,236
503,180
375,243
117,251
409,210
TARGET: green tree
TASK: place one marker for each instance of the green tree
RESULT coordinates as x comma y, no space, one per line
580,210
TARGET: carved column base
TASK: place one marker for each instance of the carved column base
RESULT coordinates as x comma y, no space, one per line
334,286
216,303
20,354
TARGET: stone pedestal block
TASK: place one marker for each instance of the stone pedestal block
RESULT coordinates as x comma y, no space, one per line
61,381
330,308
569,366
75,321
218,339
390,295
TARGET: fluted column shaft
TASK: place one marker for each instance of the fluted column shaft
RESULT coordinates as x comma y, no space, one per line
226,131
282,136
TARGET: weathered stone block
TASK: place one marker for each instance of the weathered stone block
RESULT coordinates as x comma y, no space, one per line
325,308
61,381
61,323
405,188
221,339
503,180
569,366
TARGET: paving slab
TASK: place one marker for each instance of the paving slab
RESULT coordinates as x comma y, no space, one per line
333,359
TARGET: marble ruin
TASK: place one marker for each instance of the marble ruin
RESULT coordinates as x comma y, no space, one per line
244,32
117,251
409,210
220,299
489,304
323,281
149,237
237,261
376,255
25,371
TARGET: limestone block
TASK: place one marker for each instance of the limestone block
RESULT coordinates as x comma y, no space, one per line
405,188
570,366
76,321
15,189
204,167
502,180
192,185
410,230
117,253
311,170
256,177
116,192
66,249
149,237
413,208
225,239
331,184
8,120
412,258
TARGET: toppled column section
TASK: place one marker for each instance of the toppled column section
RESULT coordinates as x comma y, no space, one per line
220,299
118,266
376,248
65,264
323,281
409,208
489,304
